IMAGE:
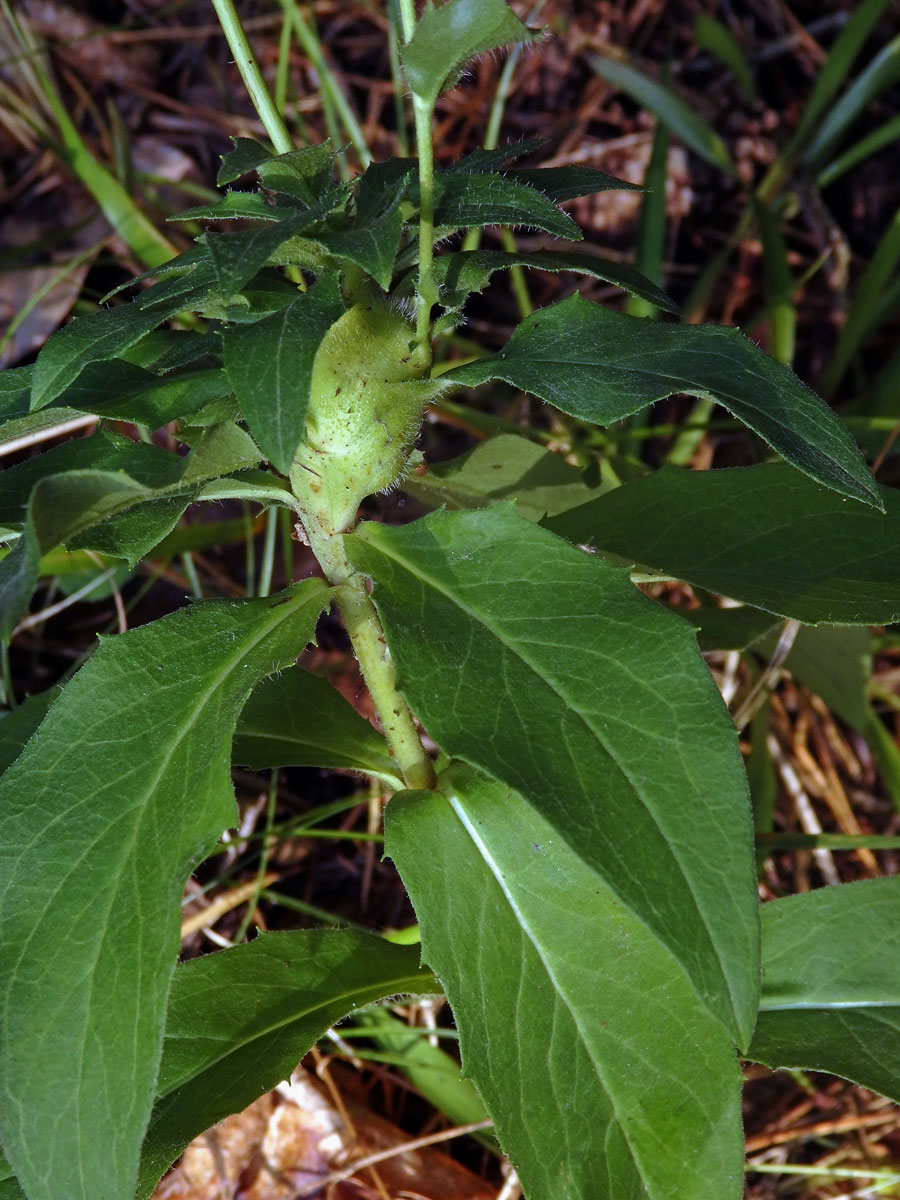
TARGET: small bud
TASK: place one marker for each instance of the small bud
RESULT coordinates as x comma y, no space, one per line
367,396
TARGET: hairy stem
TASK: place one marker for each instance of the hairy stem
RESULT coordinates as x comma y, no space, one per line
252,76
408,18
365,632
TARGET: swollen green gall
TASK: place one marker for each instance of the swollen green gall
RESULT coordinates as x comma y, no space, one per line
368,393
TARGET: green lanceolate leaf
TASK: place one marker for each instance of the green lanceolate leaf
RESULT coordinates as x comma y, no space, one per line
565,183
602,366
269,364
545,667
831,984
99,336
126,392
238,1023
467,201
122,792
447,37
470,271
505,467
299,720
553,979
765,535
233,206
482,159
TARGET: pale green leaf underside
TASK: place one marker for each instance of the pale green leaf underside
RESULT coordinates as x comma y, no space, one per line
238,1022
545,667
765,535
297,719
605,1077
831,984
601,366
123,789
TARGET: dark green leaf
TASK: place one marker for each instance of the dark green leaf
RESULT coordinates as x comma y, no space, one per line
126,392
238,256
15,392
246,156
765,535
681,118
238,1022
728,628
552,978
482,159
467,201
372,247
104,816
269,364
101,335
602,366
505,467
577,674
18,725
382,186
448,36
184,290
565,183
299,720
125,498
233,206
831,984
304,174
181,264
470,270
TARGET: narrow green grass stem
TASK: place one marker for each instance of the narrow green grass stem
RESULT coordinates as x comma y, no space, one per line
312,47
252,76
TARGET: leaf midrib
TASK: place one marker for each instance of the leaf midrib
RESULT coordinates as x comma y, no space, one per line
524,925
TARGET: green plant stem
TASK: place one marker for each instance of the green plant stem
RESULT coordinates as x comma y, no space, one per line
426,292
252,76
364,630
407,18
